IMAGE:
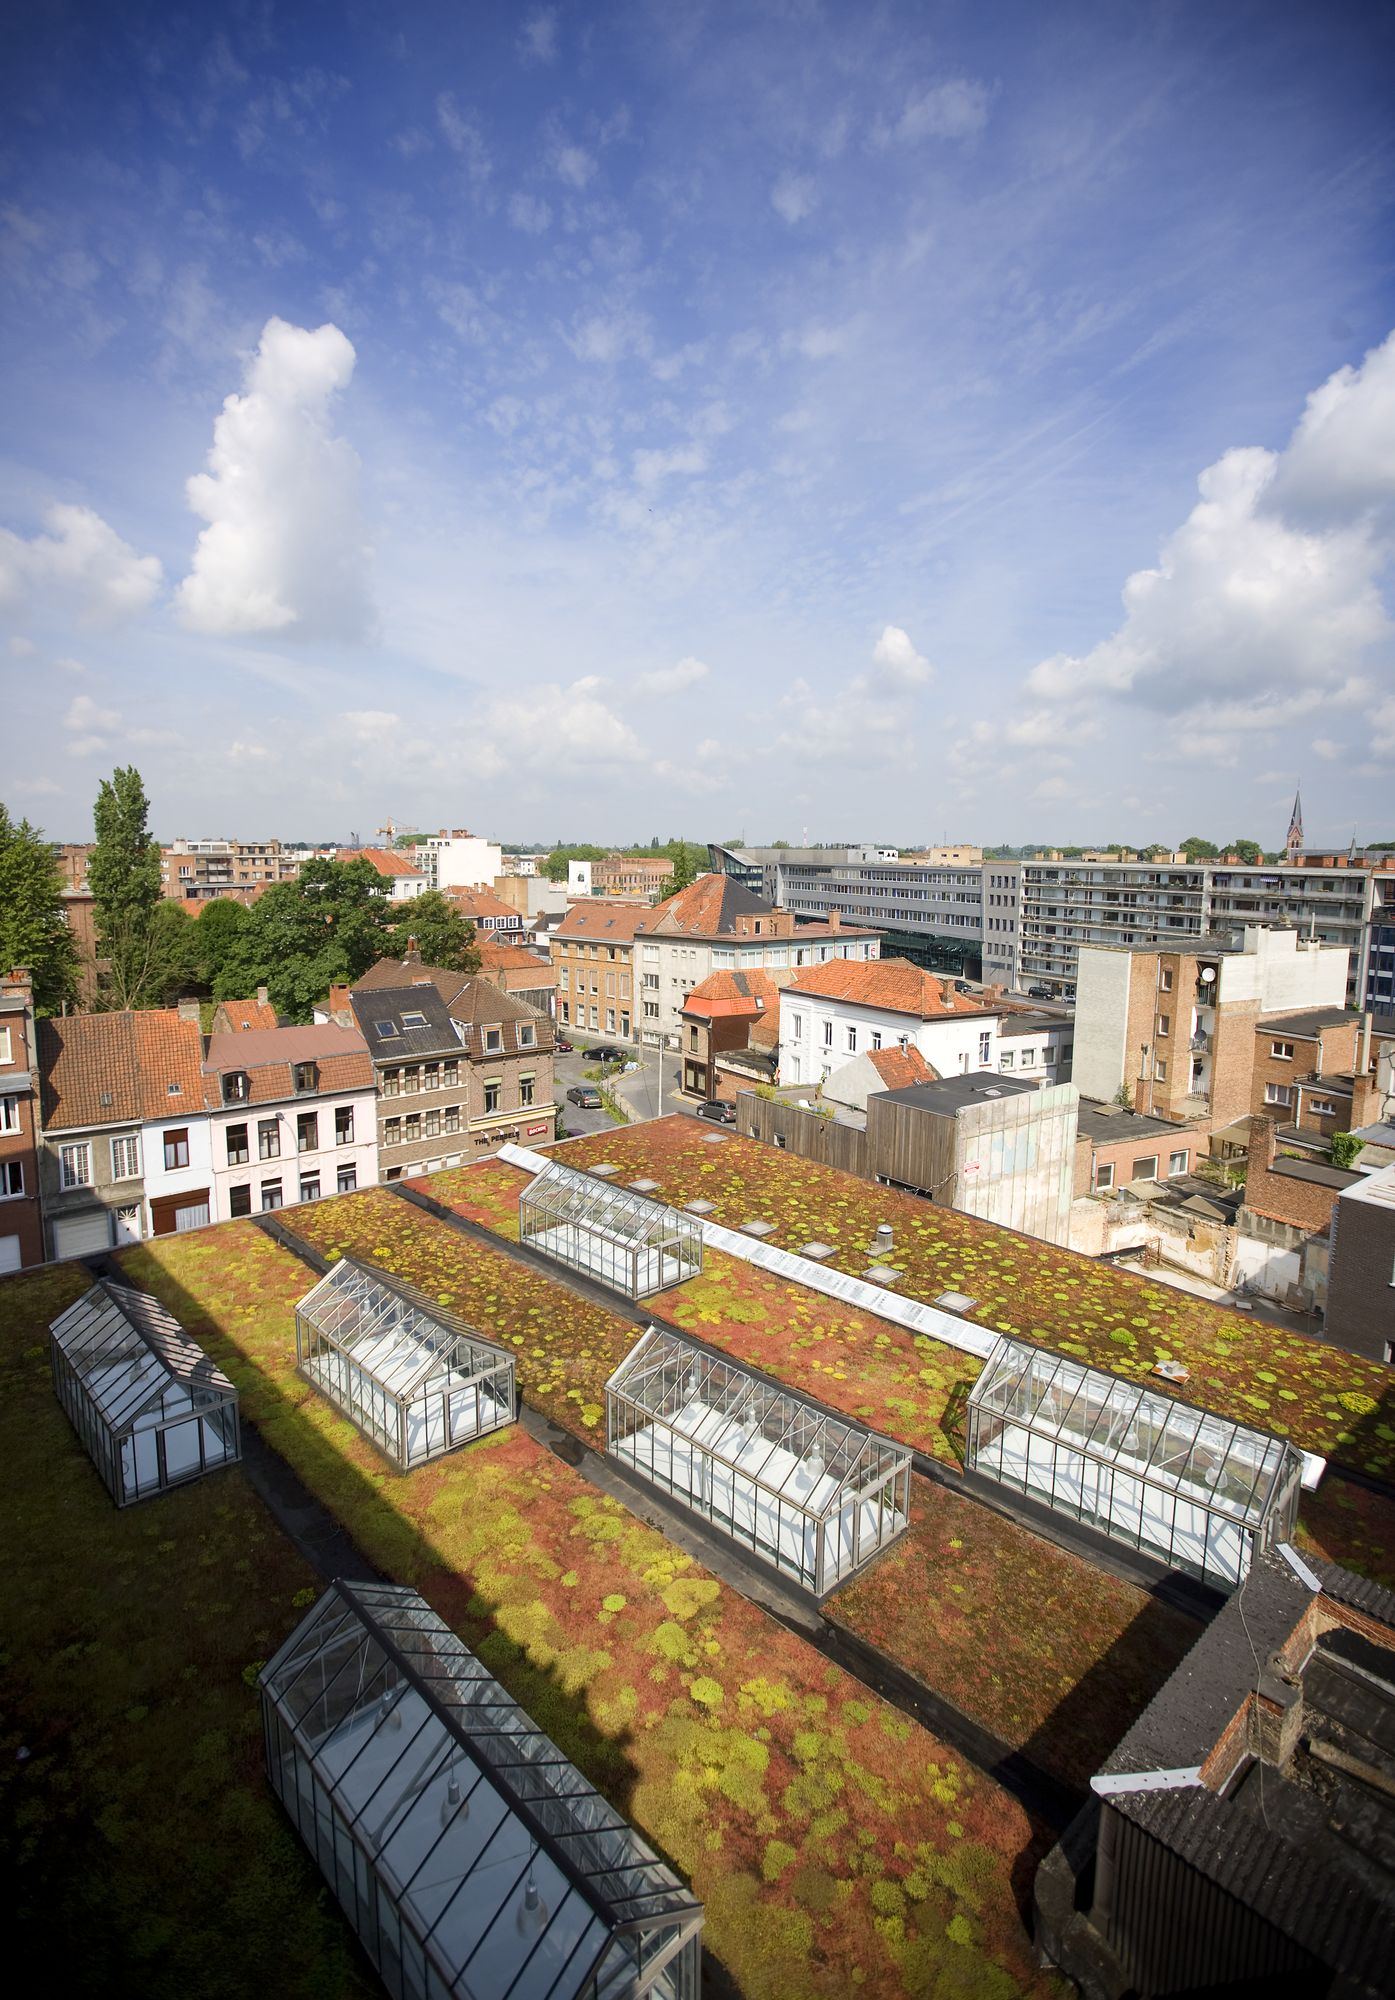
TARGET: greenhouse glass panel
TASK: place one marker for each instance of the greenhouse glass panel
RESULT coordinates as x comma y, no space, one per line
634,1245
413,1376
145,1399
471,1857
1197,1490
810,1493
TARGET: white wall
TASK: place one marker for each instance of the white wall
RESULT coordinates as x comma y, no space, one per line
578,878
1284,972
951,1045
468,864
1101,1021
327,1158
162,1181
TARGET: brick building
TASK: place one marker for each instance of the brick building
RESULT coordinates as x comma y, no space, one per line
1301,1193
513,969
487,912
1361,1278
727,1013
630,875
593,951
1115,1147
202,870
21,1218
91,1174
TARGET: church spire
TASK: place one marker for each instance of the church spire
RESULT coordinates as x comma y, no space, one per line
1294,842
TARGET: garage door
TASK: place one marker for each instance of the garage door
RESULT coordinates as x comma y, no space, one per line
9,1253
80,1235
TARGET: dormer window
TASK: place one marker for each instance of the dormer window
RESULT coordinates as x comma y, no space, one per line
307,1076
526,1036
237,1087
493,1041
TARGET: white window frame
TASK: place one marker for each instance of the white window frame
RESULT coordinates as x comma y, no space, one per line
1281,1051
1104,1176
5,1051
9,1114
1279,1094
11,1169
75,1164
1176,1164
122,1150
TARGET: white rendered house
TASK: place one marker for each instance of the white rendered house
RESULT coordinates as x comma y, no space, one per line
831,1014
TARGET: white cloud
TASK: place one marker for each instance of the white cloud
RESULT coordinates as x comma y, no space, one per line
574,165
683,674
537,42
794,196
653,466
464,138
530,213
284,550
80,562
896,663
91,727
955,109
592,735
610,336
818,343
1324,747
1340,462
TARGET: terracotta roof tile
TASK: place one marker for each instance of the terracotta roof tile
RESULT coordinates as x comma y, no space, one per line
235,1017
730,995
890,983
608,923
87,1071
269,1056
479,904
498,955
900,1068
384,859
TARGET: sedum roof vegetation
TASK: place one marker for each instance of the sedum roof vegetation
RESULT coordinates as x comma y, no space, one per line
1324,1399
834,1843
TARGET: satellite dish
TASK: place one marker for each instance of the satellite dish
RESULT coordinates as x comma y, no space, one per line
1208,973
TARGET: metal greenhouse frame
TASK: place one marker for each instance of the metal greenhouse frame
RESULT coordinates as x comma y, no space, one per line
412,1375
814,1495
470,1856
634,1245
149,1405
1171,1480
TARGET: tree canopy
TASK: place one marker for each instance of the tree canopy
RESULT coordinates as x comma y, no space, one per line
123,871
33,932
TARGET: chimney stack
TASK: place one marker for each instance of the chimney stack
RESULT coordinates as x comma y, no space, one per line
835,920
189,1011
263,996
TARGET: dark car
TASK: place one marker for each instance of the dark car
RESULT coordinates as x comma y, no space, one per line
586,1095
719,1113
560,1046
1038,992
603,1052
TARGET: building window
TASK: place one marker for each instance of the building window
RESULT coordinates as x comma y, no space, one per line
1176,1163
268,1138
431,1076
451,1119
491,1097
415,1020
1145,1169
392,1082
1278,1093
1281,1051
1323,1107
828,1034
307,1132
1164,1026
985,1045
237,1087
240,1199
271,1194
1005,1059
411,1128
125,1159
344,1125
852,1041
450,1073
236,1139
651,1010
876,1038
11,1178
1159,1069
1165,979
75,1165
392,1131
176,1149
411,1078
526,1086
346,1180
5,1055
307,1076
309,1187
432,1125
527,1034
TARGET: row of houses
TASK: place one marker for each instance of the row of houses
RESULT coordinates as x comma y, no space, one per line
119,1126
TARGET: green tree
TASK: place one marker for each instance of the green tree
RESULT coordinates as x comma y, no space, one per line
687,864
1345,1148
443,936
124,873
176,959
555,866
217,929
33,932
1197,849
302,937
1249,851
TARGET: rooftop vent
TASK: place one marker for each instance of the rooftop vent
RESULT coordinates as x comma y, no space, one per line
955,1302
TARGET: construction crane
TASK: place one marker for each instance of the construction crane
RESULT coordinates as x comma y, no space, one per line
391,830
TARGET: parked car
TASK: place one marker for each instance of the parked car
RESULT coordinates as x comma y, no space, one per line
586,1095
561,1047
719,1113
1038,992
604,1052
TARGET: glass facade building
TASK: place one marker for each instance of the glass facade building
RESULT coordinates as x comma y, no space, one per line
810,1493
413,1376
470,1856
634,1245
1196,1490
145,1399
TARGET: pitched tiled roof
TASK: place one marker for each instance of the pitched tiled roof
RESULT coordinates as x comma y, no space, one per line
479,904
87,1071
379,1011
890,983
900,1068
169,1058
408,971
708,907
384,859
497,955
730,995
237,1016
606,923
268,1056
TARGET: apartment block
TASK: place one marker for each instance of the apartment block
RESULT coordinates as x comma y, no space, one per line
21,1218
928,912
593,954
1175,1027
200,870
457,859
292,1118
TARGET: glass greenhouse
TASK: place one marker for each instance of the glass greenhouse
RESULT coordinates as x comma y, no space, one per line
634,1245
1171,1480
471,1857
814,1495
147,1402
411,1374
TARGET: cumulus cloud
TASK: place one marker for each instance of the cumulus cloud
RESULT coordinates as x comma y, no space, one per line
537,42
596,738
284,549
1267,600
954,109
574,165
683,674
652,467
81,562
794,196
529,213
896,663
465,138
610,336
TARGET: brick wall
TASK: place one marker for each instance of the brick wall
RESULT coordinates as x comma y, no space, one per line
1303,1204
1360,1291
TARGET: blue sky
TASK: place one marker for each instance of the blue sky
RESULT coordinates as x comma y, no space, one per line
591,421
